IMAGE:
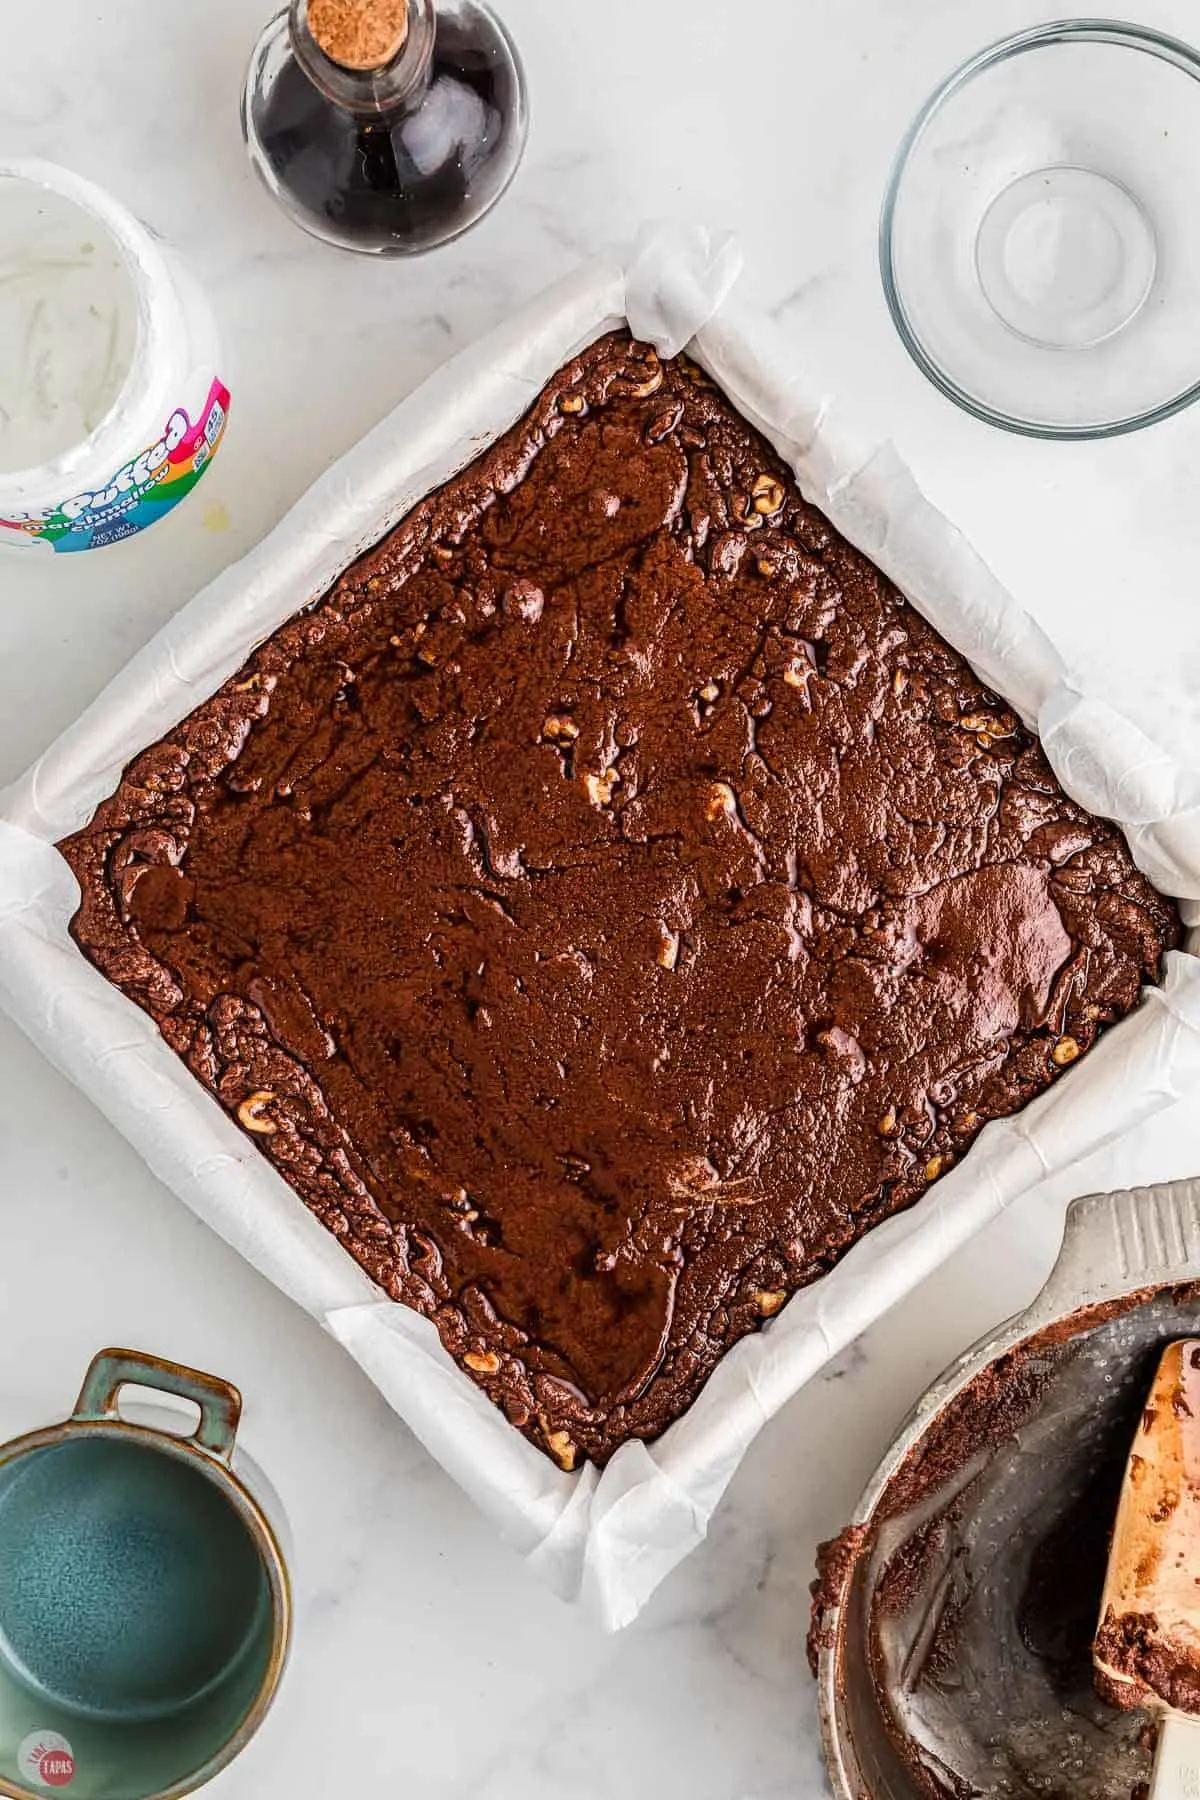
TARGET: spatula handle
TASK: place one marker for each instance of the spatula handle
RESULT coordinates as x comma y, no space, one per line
1177,1759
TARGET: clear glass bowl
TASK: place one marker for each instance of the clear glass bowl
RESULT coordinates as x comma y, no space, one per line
1040,239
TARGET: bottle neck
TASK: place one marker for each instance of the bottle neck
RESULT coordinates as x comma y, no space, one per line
395,84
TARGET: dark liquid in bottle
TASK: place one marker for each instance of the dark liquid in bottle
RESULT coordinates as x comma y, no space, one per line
413,177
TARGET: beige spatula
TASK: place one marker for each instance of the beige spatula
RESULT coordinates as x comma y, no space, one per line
1147,1647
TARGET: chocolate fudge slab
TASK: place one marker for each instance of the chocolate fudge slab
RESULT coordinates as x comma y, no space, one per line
610,901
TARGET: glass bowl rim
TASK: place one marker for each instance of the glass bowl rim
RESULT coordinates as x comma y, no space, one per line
1121,34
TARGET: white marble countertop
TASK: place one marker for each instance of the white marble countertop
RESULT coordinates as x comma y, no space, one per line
426,1662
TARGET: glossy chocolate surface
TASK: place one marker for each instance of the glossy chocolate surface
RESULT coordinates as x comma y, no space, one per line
610,901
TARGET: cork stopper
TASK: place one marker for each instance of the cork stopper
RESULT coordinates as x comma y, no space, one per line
359,34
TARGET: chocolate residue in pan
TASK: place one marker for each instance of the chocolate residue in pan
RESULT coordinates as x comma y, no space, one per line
835,1560
982,1567
1134,1645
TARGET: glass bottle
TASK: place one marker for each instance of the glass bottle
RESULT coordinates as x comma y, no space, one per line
403,145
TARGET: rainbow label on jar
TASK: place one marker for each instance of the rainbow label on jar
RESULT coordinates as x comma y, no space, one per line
140,492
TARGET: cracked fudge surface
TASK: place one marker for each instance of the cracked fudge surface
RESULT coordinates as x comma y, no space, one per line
610,901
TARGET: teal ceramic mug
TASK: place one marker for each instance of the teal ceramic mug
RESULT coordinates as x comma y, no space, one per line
145,1611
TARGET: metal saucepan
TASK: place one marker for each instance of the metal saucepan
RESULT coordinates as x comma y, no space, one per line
955,1642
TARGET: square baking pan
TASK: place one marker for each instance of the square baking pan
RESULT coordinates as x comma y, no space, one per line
603,1537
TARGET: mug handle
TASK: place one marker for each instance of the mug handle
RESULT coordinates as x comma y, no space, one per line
219,1401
